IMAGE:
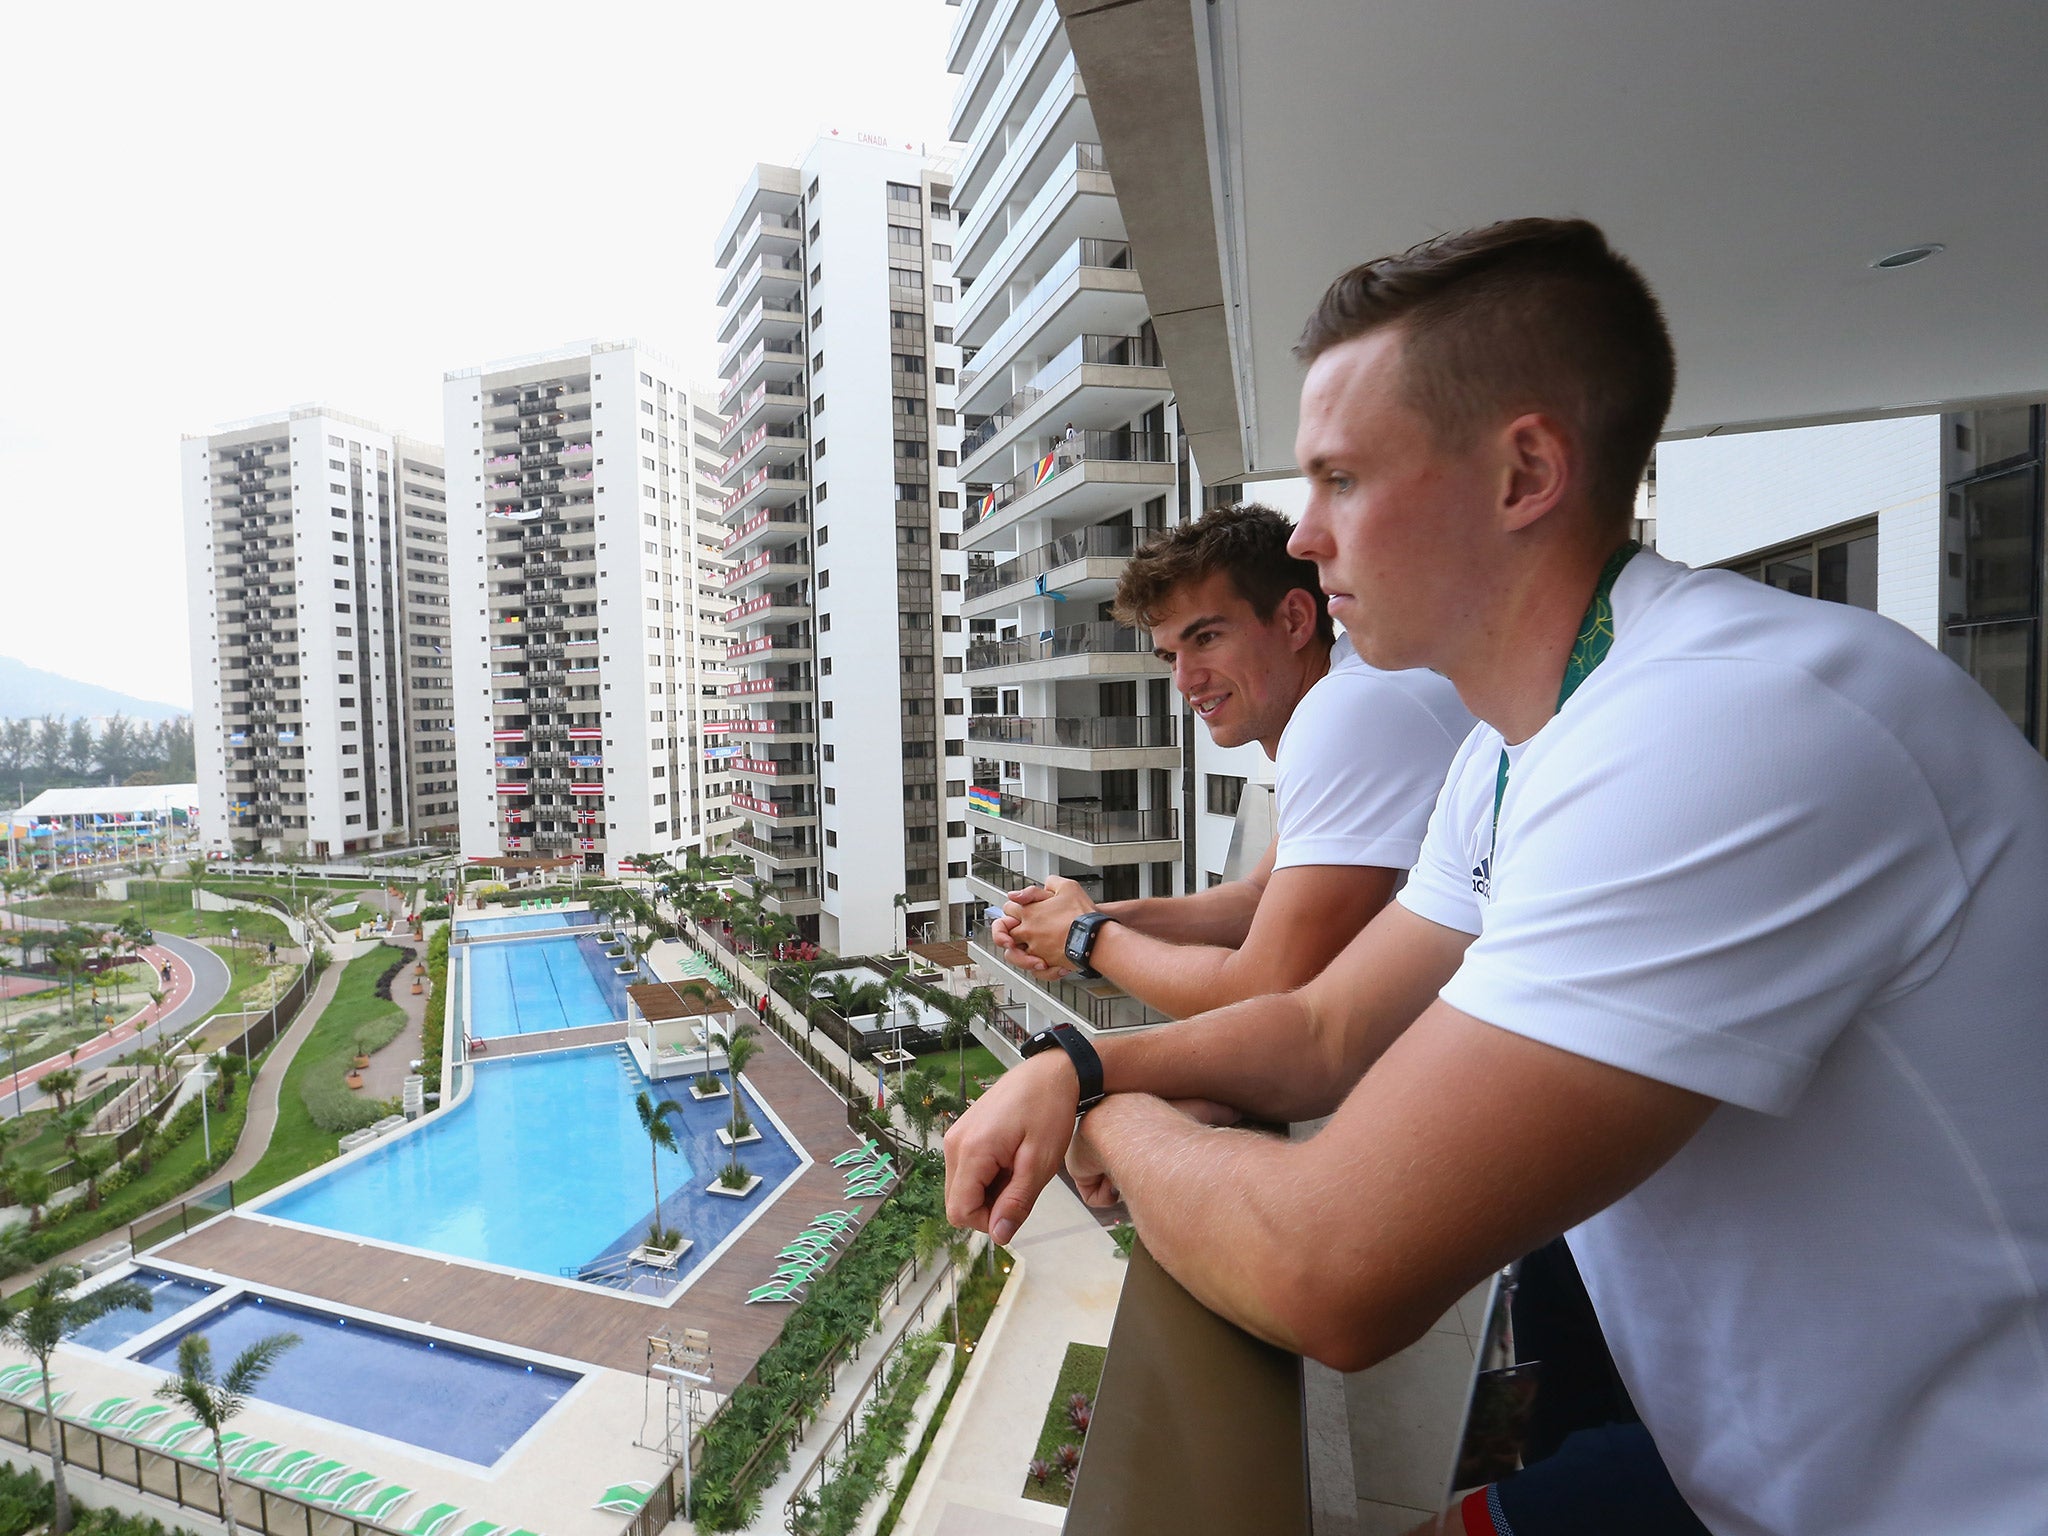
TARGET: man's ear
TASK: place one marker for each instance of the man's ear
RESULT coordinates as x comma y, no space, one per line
1539,469
1297,615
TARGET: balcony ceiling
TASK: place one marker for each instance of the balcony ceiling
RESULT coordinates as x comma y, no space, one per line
1754,158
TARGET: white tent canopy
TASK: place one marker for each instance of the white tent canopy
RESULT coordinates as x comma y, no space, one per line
138,802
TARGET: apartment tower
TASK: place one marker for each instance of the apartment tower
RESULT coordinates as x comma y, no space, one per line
572,548
1082,757
844,514
304,725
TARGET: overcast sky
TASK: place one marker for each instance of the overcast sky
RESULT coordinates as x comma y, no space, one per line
221,211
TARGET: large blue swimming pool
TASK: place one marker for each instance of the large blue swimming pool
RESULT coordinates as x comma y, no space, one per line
523,922
543,1167
438,1396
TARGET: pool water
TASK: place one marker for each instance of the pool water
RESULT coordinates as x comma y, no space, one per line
526,986
524,922
435,1395
168,1295
543,1167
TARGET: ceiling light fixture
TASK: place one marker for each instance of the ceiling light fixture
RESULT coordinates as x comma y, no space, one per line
1911,255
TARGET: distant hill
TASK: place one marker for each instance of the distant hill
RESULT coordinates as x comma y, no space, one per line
27,691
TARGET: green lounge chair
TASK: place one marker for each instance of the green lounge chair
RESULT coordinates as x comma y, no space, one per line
201,1454
307,1478
775,1290
287,1464
381,1504
875,1186
338,1494
107,1412
168,1440
140,1419
434,1521
625,1498
859,1154
250,1458
15,1374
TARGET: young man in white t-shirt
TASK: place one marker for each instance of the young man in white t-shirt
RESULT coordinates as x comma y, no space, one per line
1729,963
1359,756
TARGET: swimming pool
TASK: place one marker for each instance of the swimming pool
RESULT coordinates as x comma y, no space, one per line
522,987
168,1295
543,1167
523,922
431,1393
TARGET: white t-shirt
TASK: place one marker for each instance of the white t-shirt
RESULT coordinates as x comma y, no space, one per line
1360,763
1784,854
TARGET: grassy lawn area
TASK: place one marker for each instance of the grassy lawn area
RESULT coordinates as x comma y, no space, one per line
252,983
299,1144
1081,1372
349,921
159,909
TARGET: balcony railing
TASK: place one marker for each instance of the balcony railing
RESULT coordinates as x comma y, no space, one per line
1101,1011
1102,255
1121,446
1088,823
998,874
1100,638
1199,1428
1108,351
1085,732
1101,542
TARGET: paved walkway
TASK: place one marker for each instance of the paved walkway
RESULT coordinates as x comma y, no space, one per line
1064,1290
257,1129
384,1077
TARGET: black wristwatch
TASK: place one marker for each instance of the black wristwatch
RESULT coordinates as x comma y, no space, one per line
1081,935
1087,1065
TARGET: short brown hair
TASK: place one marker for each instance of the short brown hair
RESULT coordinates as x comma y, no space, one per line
1525,314
1247,542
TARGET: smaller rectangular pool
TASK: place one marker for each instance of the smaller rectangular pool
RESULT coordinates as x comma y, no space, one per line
429,1393
168,1296
523,922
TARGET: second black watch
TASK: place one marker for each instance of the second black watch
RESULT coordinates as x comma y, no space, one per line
1087,1065
1081,934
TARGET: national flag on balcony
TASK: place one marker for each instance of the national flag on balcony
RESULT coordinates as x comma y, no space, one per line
1042,471
586,789
238,738
287,736
586,733
586,762
508,735
587,844
988,801
513,789
988,505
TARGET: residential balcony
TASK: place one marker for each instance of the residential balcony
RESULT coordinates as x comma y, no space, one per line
790,898
772,690
777,853
1081,479
1090,743
1074,201
764,318
800,730
770,234
762,405
768,276
768,486
770,360
771,191
1083,565
770,566
1099,1005
765,444
1004,78
768,608
1091,382
775,770
994,879
1085,832
782,812
968,28
1090,289
1077,650
773,648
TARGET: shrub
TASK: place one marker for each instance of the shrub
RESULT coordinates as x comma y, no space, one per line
433,913
354,1014
435,1028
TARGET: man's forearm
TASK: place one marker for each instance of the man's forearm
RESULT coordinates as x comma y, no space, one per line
1264,1057
1221,915
1178,979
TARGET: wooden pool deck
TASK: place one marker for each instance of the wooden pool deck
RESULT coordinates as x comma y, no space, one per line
578,1322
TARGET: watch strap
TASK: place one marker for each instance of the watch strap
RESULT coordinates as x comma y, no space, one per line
1080,946
1087,1064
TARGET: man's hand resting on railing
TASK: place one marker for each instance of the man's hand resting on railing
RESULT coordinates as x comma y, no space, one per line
1009,1144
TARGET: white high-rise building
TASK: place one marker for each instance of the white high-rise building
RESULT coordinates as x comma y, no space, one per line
572,544
844,512
304,725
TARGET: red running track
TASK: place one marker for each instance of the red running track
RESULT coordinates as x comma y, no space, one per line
182,982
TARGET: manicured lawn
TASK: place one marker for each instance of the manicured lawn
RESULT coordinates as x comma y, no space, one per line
299,1145
1081,1371
168,907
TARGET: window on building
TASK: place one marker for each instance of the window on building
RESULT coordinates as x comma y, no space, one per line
942,293
1223,791
1993,547
943,375
1839,566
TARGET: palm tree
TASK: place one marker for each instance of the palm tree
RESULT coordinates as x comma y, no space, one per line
803,974
89,1163
215,1400
655,1115
740,1048
915,1089
60,1084
936,1235
32,1188
70,964
961,1012
74,1123
44,1316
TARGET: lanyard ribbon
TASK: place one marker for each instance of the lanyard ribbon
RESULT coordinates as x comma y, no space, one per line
1595,640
